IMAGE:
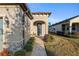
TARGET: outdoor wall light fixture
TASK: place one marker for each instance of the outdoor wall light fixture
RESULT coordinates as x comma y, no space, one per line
7,21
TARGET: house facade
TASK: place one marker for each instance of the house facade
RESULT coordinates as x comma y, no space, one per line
18,24
39,24
68,26
14,30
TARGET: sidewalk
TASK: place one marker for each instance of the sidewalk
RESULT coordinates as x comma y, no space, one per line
39,49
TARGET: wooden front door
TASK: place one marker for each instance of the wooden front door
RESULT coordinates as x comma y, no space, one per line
39,29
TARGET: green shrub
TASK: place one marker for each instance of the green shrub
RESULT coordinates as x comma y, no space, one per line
27,48
20,53
32,38
50,38
30,41
29,45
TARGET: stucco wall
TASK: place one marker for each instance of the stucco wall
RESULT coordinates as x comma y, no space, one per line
56,27
39,17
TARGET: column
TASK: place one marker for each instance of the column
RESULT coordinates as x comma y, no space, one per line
70,28
43,29
46,28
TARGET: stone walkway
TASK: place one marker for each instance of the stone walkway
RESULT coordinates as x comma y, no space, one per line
39,49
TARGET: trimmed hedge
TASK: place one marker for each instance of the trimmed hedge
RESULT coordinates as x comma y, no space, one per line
20,53
29,45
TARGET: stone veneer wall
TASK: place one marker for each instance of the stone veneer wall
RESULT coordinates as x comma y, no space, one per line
13,35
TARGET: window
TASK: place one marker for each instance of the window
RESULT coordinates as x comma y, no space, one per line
63,27
1,17
73,26
1,25
1,33
53,28
67,27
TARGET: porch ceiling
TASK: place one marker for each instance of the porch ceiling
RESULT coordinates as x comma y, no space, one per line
75,23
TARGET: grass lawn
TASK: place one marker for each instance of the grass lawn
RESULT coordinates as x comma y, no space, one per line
62,46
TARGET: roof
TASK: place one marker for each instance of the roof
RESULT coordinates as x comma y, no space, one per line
49,13
65,20
23,6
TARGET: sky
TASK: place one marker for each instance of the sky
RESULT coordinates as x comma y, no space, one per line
59,11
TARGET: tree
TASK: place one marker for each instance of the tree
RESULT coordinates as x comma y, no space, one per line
49,24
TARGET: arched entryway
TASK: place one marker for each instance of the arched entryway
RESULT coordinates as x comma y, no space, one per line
39,27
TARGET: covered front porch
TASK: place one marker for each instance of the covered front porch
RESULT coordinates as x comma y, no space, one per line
39,28
70,28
